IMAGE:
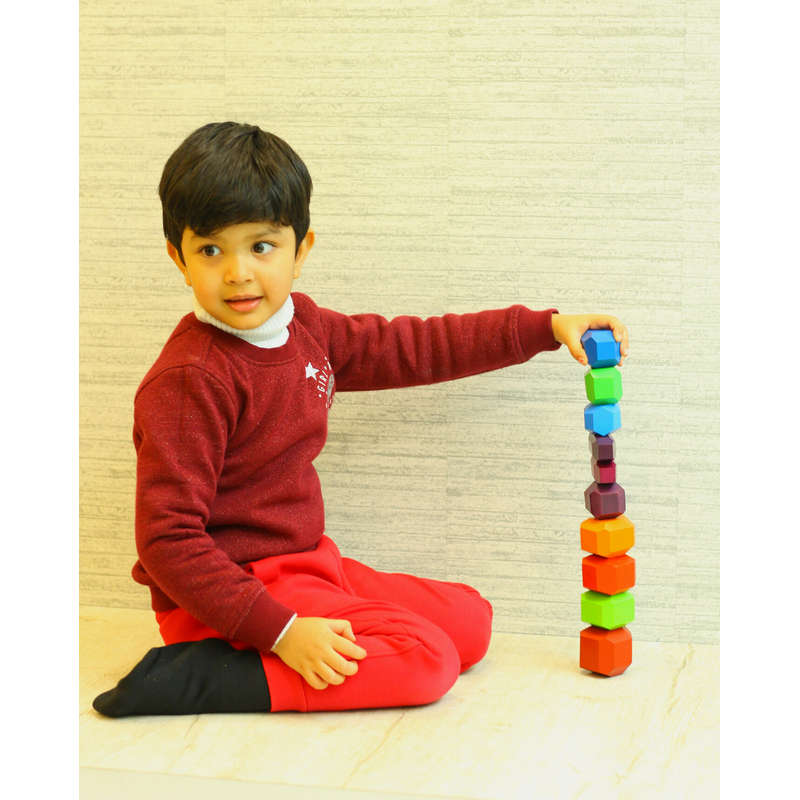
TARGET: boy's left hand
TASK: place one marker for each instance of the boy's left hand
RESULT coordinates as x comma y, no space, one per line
568,329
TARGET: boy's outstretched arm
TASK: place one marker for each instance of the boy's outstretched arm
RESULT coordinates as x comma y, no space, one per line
568,329
315,647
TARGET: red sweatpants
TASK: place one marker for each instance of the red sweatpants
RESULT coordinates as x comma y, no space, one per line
419,634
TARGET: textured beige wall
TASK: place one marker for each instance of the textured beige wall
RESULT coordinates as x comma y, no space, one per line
464,155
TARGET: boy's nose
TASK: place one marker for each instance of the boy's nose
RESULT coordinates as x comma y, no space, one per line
237,270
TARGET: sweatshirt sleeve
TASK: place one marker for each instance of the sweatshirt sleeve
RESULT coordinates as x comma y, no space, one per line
183,420
369,352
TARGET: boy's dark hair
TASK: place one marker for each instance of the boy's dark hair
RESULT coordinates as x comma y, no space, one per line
228,173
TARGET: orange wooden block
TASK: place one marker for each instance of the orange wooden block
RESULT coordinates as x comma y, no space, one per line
607,537
606,652
609,575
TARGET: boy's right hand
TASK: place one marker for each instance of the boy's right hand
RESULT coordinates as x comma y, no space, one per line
315,647
568,330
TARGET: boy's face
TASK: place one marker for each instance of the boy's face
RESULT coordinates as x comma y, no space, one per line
243,274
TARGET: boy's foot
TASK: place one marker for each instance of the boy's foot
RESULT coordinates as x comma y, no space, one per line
206,677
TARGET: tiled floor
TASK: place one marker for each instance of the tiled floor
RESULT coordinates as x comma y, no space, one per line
526,722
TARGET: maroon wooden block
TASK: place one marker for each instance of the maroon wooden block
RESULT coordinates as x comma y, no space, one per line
605,500
604,471
602,447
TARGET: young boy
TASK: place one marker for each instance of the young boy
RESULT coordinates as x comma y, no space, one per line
257,608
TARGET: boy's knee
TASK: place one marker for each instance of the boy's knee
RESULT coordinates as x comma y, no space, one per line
476,645
428,669
441,677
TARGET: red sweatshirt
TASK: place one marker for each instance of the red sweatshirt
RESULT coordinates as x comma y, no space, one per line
226,433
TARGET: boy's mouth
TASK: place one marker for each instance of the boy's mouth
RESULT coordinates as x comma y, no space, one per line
244,302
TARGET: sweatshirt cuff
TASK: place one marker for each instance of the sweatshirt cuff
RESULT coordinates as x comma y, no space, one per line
288,624
536,331
265,623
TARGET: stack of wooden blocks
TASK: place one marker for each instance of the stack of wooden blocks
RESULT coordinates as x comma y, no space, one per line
608,573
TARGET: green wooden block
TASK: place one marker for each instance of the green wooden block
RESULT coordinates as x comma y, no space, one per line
604,386
607,611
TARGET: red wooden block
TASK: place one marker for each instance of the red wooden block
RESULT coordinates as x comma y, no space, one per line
609,575
606,652
605,500
604,471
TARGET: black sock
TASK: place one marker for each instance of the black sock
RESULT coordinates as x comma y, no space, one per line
206,677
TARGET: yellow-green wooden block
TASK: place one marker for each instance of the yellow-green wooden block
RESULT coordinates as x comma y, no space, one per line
607,611
604,386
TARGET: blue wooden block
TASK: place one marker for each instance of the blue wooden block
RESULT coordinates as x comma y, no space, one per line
602,420
602,349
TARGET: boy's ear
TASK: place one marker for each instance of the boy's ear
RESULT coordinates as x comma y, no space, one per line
302,251
175,256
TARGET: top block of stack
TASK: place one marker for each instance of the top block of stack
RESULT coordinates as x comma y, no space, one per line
602,349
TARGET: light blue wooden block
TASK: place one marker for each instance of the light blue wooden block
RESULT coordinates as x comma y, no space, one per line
602,420
602,349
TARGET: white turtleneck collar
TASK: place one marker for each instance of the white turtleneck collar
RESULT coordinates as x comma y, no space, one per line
273,333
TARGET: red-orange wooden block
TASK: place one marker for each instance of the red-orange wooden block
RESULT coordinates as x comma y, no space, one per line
609,575
606,652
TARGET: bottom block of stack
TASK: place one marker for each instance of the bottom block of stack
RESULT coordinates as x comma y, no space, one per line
606,652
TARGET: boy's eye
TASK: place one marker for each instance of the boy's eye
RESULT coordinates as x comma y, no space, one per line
262,247
209,250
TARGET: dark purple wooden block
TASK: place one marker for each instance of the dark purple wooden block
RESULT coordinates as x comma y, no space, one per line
602,447
604,471
605,500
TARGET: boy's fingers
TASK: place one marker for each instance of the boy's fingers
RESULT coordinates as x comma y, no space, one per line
349,649
314,681
343,666
343,628
621,335
349,646
354,651
578,353
602,321
330,675
324,673
332,671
